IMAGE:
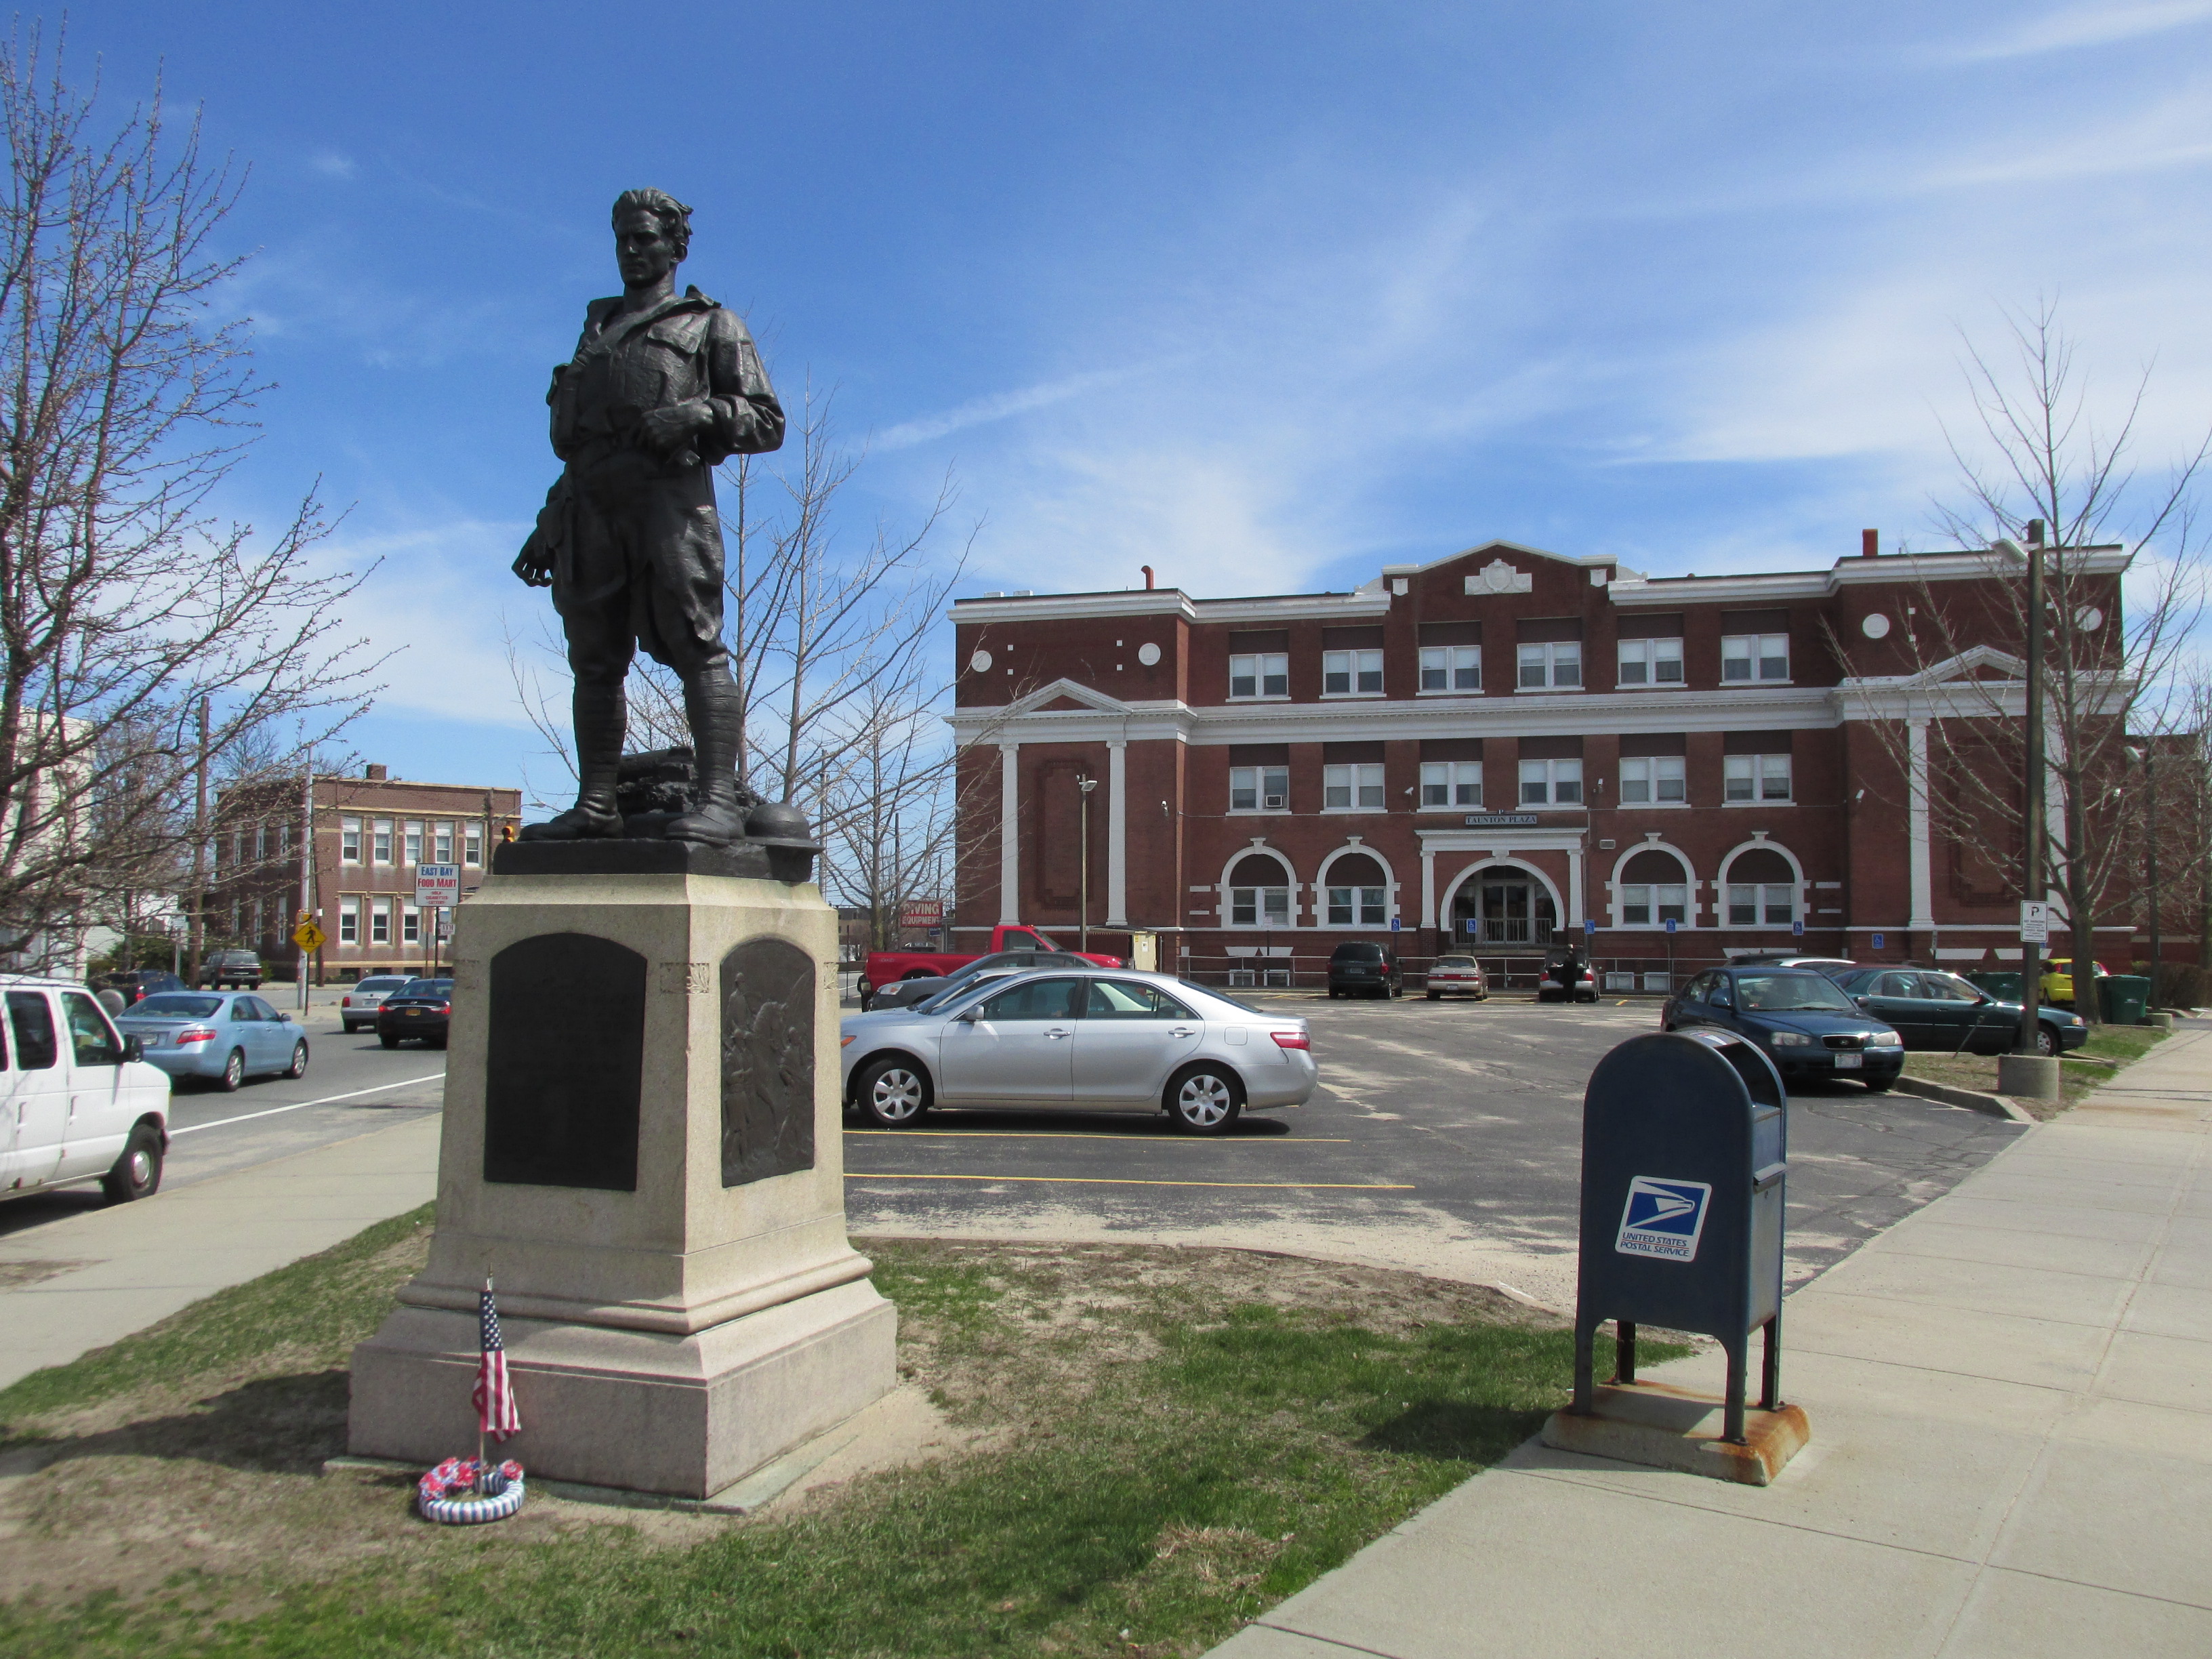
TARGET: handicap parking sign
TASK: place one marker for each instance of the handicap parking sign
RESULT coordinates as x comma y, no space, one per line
1663,1219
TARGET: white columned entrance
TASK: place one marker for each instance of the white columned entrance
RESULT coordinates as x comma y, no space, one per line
1428,886
1921,864
1574,885
1117,832
1010,832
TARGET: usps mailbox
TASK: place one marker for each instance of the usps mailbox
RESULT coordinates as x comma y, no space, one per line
1684,1165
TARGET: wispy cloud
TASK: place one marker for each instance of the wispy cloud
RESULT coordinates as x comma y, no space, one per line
331,165
2085,26
999,406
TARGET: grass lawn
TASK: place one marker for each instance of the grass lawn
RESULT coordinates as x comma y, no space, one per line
2082,1071
1160,1442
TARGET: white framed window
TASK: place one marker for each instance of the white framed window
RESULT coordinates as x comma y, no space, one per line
1258,906
1767,904
379,846
410,923
259,915
413,842
284,838
349,840
1648,779
237,849
380,922
350,921
1551,782
260,842
443,844
1351,789
1266,674
1651,662
1351,673
1358,906
1748,657
472,844
1654,904
1450,668
1450,783
1259,788
1551,667
1757,777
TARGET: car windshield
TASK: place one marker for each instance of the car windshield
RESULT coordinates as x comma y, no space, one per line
1455,962
172,1006
426,988
1787,994
1359,953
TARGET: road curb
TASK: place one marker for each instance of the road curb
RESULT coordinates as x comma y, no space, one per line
1993,1105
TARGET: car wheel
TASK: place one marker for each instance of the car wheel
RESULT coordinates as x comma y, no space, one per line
2046,1040
388,1041
867,996
1877,1085
1435,996
234,1071
137,1173
299,1066
1334,993
435,1043
893,1092
1205,1100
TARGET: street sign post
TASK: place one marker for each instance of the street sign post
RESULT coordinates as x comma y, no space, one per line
2034,922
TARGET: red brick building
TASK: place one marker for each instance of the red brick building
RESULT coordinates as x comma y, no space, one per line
1490,750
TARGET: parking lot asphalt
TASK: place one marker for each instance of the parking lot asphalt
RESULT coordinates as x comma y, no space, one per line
1444,1137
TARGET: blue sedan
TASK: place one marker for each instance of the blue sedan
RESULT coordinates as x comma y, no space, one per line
1803,1020
221,1038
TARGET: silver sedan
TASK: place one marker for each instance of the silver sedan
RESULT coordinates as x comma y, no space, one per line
1116,1041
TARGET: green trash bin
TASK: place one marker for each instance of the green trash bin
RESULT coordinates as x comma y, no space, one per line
2005,988
2123,997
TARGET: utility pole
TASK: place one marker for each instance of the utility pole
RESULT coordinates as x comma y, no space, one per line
2033,883
307,863
2150,839
1083,930
199,850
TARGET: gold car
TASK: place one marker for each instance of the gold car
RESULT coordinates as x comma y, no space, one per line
2057,982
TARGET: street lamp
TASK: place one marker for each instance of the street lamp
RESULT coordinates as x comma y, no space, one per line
1083,928
2032,882
2147,758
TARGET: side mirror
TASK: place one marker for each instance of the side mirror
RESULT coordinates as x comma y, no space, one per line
133,1048
1861,1002
966,1017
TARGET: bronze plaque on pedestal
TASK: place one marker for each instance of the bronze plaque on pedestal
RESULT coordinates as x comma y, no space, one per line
768,1061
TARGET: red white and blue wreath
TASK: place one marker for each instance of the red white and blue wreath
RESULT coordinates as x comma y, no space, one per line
464,1491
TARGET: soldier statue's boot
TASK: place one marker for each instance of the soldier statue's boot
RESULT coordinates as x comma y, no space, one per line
602,720
710,704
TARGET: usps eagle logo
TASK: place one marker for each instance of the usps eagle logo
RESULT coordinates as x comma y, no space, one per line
1663,1219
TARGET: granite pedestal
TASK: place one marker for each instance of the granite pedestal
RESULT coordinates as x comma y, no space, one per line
642,1145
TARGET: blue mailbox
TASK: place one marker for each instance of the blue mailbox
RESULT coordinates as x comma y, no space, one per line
1685,1168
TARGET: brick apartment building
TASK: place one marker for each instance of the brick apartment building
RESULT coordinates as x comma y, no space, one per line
1490,750
370,833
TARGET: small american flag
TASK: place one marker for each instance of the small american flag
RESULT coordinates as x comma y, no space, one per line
496,1415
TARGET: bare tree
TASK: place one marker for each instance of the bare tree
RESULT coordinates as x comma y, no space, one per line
126,607
2045,474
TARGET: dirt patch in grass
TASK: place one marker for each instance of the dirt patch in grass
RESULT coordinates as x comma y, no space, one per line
2109,1050
1149,1439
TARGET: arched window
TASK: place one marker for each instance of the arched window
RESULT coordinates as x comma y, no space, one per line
1259,893
1654,890
1762,890
1358,893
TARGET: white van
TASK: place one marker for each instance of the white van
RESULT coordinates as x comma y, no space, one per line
76,1104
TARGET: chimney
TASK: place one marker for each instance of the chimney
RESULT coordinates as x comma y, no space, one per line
374,775
1870,543
1147,570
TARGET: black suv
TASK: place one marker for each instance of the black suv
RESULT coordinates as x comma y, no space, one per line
239,970
137,984
1356,968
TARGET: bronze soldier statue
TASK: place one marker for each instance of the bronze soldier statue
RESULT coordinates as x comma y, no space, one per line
662,389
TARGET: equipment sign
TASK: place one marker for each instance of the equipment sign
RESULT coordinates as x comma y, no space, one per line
1663,1219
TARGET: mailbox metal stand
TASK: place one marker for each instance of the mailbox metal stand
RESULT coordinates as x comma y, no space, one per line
1685,1172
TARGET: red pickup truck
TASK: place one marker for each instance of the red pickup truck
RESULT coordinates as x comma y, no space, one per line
882,967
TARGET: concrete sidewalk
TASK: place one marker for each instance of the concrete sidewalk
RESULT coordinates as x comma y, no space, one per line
2011,1402
93,1279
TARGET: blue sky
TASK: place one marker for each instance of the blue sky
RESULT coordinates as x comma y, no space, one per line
1263,295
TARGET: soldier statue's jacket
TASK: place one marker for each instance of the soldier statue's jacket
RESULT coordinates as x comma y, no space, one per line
682,350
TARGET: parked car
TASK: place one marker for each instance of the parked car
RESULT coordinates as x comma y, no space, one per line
221,1038
1358,967
1458,976
1941,1012
357,1007
1807,1024
1833,967
81,1104
1111,1042
135,984
420,1010
239,969
889,967
1567,977
2057,984
908,992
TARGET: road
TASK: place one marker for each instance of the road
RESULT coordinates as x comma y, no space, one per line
1445,1136
353,1085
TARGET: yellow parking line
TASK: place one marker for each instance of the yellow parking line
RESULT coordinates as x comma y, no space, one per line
1104,1181
1142,1138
